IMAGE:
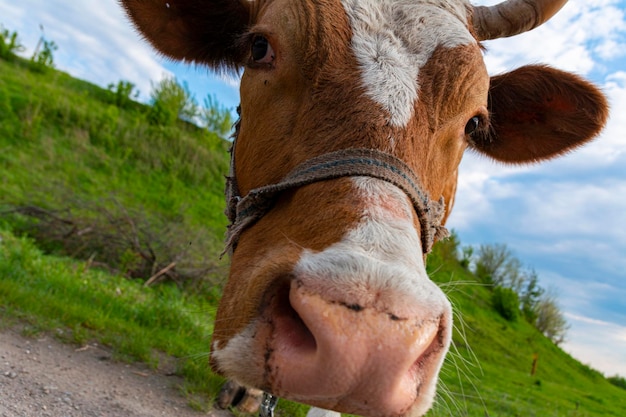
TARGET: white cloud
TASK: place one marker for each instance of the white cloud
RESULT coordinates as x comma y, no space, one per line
590,297
580,209
571,40
569,211
589,320
612,143
552,222
600,342
11,13
481,182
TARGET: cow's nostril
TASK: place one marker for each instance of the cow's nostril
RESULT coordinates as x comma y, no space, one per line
288,324
432,348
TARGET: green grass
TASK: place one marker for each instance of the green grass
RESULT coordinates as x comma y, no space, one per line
64,144
79,305
62,139
488,370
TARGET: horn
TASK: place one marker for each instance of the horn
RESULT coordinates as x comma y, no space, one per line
512,17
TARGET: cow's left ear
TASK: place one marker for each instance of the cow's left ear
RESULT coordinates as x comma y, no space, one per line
204,32
538,112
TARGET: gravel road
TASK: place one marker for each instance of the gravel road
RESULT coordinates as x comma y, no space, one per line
44,378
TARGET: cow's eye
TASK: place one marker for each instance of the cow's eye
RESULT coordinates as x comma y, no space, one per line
472,125
262,52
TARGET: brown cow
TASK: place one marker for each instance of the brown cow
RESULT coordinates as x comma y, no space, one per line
354,117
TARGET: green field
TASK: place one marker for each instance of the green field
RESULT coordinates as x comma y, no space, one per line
79,172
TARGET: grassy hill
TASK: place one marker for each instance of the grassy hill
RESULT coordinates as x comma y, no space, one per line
489,370
74,160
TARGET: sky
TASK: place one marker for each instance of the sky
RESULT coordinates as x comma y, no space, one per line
566,218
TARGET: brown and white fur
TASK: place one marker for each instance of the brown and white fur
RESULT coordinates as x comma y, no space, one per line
328,300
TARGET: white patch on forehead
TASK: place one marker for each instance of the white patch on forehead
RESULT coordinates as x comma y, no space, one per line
382,254
393,39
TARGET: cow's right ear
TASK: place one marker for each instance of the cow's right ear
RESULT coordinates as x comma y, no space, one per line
204,32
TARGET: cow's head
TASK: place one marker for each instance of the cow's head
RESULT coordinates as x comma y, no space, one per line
328,301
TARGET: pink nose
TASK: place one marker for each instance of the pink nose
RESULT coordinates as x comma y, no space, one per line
355,358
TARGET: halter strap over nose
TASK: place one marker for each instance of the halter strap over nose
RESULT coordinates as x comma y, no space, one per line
244,211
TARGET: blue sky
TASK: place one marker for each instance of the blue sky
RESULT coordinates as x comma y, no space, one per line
565,218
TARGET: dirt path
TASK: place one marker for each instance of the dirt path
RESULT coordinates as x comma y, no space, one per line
44,378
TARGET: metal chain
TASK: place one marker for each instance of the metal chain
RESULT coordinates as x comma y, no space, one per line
268,404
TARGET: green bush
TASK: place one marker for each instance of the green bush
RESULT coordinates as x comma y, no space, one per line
494,264
170,102
530,297
216,117
43,58
9,44
506,302
549,318
123,93
118,239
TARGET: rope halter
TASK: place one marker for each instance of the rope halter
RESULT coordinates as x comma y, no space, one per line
244,211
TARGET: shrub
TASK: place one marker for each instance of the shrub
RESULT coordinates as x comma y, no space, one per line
530,297
123,93
496,264
506,303
170,102
43,58
550,320
119,240
9,44
215,117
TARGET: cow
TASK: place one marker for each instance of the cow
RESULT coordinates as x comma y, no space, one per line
354,117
